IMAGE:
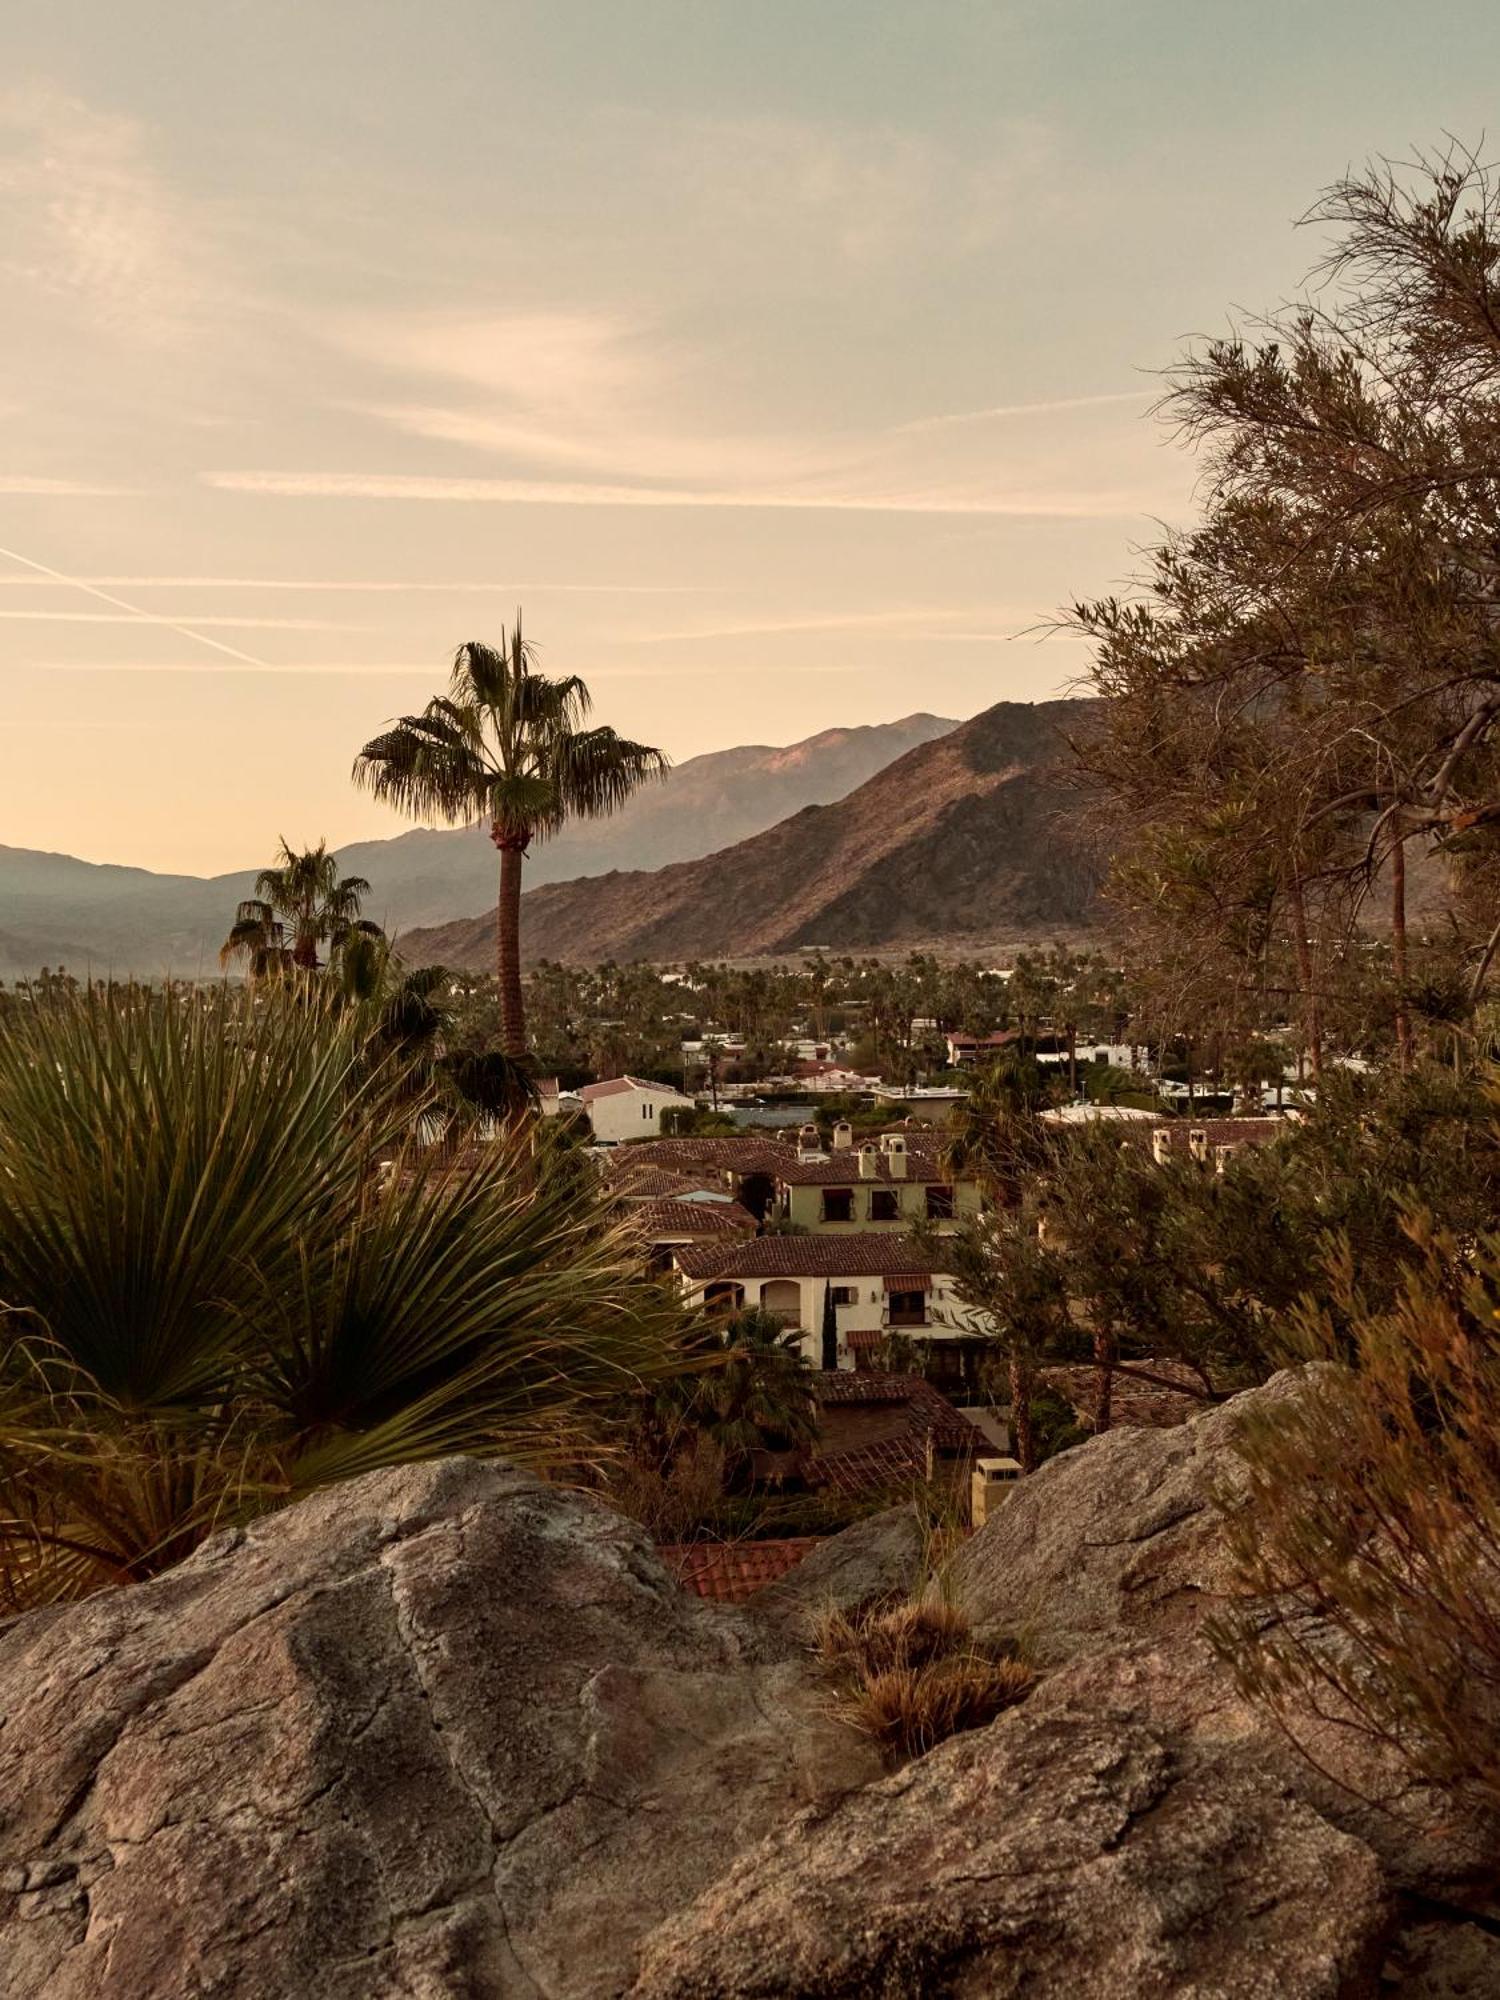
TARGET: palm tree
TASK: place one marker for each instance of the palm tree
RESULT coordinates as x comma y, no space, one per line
507,745
258,936
231,1273
303,894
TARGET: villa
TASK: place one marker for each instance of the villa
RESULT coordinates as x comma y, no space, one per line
629,1107
851,1298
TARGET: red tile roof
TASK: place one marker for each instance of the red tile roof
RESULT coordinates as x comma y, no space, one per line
861,1254
665,1219
750,1155
632,1180
928,1409
729,1572
613,1086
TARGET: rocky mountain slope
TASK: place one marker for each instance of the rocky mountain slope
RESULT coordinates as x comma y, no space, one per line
964,837
56,909
447,1730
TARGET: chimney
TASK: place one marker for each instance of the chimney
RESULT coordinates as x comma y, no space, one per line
1198,1144
869,1164
843,1136
809,1146
1222,1156
1161,1145
895,1156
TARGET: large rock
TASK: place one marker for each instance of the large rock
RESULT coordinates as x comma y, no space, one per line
441,1731
1055,1853
1109,1561
879,1557
1115,1538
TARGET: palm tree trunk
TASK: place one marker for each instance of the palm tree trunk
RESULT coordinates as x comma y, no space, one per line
1398,951
508,950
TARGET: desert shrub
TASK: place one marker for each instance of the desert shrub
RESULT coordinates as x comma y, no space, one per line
911,1672
1367,1534
910,1710
677,1496
229,1273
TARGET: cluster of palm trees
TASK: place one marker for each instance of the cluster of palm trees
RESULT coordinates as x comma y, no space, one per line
303,908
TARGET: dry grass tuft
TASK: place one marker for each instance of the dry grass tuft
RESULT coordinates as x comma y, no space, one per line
912,1673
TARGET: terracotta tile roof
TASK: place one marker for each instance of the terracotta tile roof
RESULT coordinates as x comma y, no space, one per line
615,1085
661,1220
632,1180
862,1254
927,1408
729,1572
872,1468
752,1154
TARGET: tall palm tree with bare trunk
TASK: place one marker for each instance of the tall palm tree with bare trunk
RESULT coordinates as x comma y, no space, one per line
507,745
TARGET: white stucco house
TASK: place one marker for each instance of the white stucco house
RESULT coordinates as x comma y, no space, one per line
627,1107
845,1295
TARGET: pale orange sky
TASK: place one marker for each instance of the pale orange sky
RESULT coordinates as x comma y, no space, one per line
785,362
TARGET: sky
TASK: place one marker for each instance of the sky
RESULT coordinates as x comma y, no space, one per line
788,363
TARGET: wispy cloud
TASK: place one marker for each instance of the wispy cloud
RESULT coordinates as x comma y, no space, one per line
547,493
367,585
928,618
89,220
119,604
423,669
996,411
151,618
74,489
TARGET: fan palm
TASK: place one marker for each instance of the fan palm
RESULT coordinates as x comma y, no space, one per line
228,1273
506,745
306,896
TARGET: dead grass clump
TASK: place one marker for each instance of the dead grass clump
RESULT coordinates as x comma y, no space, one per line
912,1673
876,1638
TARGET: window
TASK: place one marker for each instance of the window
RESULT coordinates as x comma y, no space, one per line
838,1204
645,1110
885,1205
844,1295
940,1204
906,1308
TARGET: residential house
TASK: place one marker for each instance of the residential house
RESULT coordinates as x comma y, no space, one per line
848,1297
885,1184
667,1210
628,1107
884,1433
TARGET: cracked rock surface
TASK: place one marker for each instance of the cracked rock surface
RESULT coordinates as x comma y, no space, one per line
441,1731
448,1731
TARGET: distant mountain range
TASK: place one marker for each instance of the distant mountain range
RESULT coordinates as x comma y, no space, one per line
101,918
964,837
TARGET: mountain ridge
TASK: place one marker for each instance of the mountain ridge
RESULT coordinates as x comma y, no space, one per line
962,837
111,917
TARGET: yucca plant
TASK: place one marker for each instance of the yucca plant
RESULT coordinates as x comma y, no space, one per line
229,1272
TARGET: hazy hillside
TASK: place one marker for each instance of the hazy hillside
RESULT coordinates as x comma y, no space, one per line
965,836
427,877
55,909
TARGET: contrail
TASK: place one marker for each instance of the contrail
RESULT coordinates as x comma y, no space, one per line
186,631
